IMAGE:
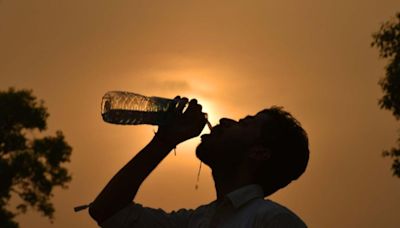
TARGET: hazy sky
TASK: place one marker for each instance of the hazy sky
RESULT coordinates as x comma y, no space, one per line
236,57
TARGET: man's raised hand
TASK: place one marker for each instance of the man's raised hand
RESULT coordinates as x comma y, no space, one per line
182,124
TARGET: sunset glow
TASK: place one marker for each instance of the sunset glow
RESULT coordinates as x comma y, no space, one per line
236,58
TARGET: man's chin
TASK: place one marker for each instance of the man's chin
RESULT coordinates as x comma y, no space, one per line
201,153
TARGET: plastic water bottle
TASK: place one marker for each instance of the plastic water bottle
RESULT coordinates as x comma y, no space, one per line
119,107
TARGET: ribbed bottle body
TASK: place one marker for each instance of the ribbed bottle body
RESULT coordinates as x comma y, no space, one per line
119,107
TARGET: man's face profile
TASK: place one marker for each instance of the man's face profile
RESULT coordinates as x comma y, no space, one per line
229,141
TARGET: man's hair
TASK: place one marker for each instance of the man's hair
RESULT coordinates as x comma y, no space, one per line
287,142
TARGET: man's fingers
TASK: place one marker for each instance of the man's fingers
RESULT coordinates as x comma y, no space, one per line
193,107
194,113
174,104
181,105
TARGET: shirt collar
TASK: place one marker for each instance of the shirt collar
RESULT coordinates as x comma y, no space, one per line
242,195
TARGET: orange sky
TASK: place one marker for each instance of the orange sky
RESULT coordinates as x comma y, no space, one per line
237,57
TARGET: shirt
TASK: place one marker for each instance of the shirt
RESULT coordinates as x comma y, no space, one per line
243,208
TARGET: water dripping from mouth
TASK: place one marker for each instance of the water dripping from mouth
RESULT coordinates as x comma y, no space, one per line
198,173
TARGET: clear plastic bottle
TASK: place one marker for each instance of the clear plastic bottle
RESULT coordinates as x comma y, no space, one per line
119,107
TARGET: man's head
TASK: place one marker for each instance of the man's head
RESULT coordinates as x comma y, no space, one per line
271,145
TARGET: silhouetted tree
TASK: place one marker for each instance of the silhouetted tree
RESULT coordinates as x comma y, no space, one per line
30,167
387,40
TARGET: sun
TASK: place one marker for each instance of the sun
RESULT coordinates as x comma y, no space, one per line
193,82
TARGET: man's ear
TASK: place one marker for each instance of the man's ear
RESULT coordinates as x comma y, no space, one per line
259,153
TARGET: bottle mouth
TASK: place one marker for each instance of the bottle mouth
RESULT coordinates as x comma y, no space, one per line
209,124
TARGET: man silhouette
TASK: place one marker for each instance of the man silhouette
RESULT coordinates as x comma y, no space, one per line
250,159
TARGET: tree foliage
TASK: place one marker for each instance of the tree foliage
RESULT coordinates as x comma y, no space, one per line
387,40
30,167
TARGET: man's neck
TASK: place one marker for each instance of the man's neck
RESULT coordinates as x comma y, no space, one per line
228,182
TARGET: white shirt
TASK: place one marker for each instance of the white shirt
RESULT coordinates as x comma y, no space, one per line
242,208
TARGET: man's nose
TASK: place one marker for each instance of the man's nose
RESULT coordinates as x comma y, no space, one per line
226,122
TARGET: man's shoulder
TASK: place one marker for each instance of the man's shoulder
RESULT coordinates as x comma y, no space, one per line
270,205
268,210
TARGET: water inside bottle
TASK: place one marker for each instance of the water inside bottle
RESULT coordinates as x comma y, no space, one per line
129,117
131,109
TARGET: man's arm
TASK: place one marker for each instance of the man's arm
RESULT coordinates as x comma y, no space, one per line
122,188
